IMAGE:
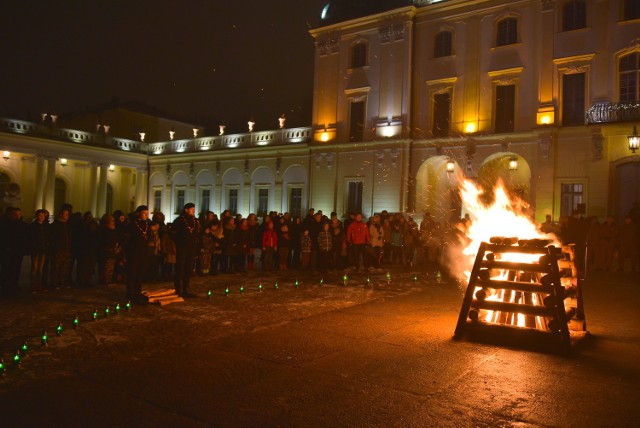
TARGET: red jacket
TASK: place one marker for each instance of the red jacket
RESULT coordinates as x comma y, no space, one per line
270,239
358,233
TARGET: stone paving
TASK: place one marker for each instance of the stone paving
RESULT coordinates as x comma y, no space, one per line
361,355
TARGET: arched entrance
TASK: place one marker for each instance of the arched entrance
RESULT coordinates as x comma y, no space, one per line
513,170
437,189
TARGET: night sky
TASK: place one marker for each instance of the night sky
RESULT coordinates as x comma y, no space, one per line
205,61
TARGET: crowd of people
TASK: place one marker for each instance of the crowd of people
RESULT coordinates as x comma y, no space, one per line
78,250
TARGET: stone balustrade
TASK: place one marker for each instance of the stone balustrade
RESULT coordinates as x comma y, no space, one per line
613,113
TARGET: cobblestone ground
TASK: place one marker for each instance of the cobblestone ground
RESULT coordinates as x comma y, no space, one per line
372,354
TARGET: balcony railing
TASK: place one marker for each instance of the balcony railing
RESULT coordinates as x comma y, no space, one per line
277,137
614,112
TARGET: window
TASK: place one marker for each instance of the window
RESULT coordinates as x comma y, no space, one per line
180,193
507,32
359,55
573,94
232,204
157,201
571,195
356,124
441,114
60,193
631,10
354,196
295,201
574,15
109,199
629,76
505,108
205,200
263,201
442,45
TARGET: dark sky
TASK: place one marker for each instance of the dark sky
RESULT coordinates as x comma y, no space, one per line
207,61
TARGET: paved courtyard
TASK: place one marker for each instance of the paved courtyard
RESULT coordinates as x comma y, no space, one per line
378,355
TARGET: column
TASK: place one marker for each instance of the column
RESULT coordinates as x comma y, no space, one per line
102,190
50,187
93,188
39,190
141,188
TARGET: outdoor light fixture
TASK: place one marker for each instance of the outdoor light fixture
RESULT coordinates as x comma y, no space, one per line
112,168
6,155
106,128
324,137
221,129
450,166
195,132
281,120
634,140
387,131
470,128
142,134
172,133
513,163
251,124
63,161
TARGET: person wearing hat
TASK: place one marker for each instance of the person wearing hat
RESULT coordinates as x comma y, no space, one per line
186,234
136,241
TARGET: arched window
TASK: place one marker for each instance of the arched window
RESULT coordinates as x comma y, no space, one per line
507,32
442,45
629,76
574,15
60,194
359,55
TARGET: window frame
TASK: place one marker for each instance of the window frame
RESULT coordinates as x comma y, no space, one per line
176,199
347,194
575,4
509,38
359,55
633,72
440,48
157,207
564,107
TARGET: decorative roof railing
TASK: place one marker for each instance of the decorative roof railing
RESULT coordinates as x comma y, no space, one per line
613,112
277,137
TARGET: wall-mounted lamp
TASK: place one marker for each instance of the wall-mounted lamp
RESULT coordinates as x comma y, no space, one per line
6,155
281,120
142,134
221,127
195,132
470,128
112,168
63,162
513,163
172,134
251,124
324,137
634,140
451,165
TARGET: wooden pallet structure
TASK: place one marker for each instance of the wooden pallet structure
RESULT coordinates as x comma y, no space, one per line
162,297
543,293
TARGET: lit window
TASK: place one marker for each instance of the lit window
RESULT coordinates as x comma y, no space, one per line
507,32
572,195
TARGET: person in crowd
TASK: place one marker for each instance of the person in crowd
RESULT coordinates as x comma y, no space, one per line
269,246
186,233
376,238
325,244
108,249
607,243
357,240
244,241
136,236
284,246
217,237
206,249
296,232
306,245
386,248
13,247
88,248
411,237
339,248
230,247
168,253
628,246
254,241
40,241
396,239
60,250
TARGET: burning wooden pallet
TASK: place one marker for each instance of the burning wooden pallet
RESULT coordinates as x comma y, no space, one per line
162,297
524,284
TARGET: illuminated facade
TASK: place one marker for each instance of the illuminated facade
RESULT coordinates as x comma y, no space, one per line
410,97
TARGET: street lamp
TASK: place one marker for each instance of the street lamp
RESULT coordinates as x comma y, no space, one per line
634,140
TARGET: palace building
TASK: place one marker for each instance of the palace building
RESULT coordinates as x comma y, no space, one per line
410,98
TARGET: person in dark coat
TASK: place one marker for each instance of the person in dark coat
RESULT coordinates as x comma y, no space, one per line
39,240
108,249
13,238
186,233
136,236
61,249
